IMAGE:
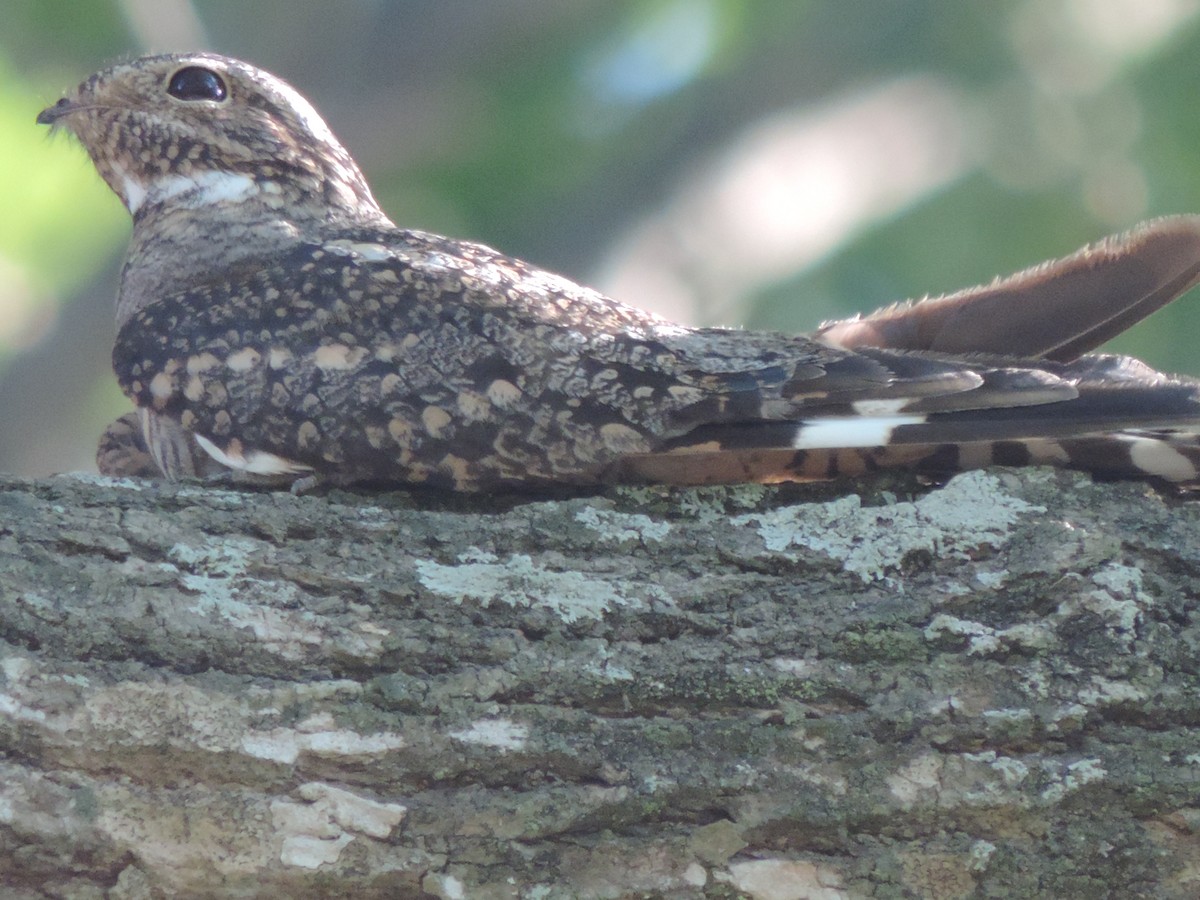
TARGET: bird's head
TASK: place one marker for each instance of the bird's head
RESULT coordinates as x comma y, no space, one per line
198,129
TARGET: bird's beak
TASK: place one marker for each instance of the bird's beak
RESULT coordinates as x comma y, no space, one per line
51,114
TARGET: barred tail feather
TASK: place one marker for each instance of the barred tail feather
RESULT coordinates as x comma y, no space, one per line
1124,421
1172,458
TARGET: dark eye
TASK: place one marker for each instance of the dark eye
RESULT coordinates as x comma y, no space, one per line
196,83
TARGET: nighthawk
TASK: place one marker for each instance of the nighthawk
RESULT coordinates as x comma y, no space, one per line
273,321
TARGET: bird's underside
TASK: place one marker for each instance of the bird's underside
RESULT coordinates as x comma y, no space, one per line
274,322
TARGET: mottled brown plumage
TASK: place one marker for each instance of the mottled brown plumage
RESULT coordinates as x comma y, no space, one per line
273,319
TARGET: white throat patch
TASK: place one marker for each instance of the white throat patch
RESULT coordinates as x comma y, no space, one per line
201,190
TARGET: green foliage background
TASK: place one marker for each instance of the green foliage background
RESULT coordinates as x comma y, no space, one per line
558,129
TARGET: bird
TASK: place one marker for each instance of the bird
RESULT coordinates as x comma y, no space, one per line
275,325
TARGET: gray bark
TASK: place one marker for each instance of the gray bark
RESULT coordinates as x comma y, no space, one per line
986,690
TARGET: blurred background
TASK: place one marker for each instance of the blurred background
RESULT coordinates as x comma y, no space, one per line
769,164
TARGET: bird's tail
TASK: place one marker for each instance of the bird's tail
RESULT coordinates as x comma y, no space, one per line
1168,456
1056,310
1037,401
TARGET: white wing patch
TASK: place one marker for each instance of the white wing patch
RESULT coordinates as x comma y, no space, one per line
850,431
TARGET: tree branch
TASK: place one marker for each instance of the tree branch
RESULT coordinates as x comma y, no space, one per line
985,689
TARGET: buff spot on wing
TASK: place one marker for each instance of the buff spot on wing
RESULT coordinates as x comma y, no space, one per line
307,435
278,357
622,439
338,357
162,386
503,393
457,467
194,389
434,418
244,360
401,431
201,362
473,405
684,394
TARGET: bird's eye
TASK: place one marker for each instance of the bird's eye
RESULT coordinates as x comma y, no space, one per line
196,83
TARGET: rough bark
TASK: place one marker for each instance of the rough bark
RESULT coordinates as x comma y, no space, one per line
985,690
